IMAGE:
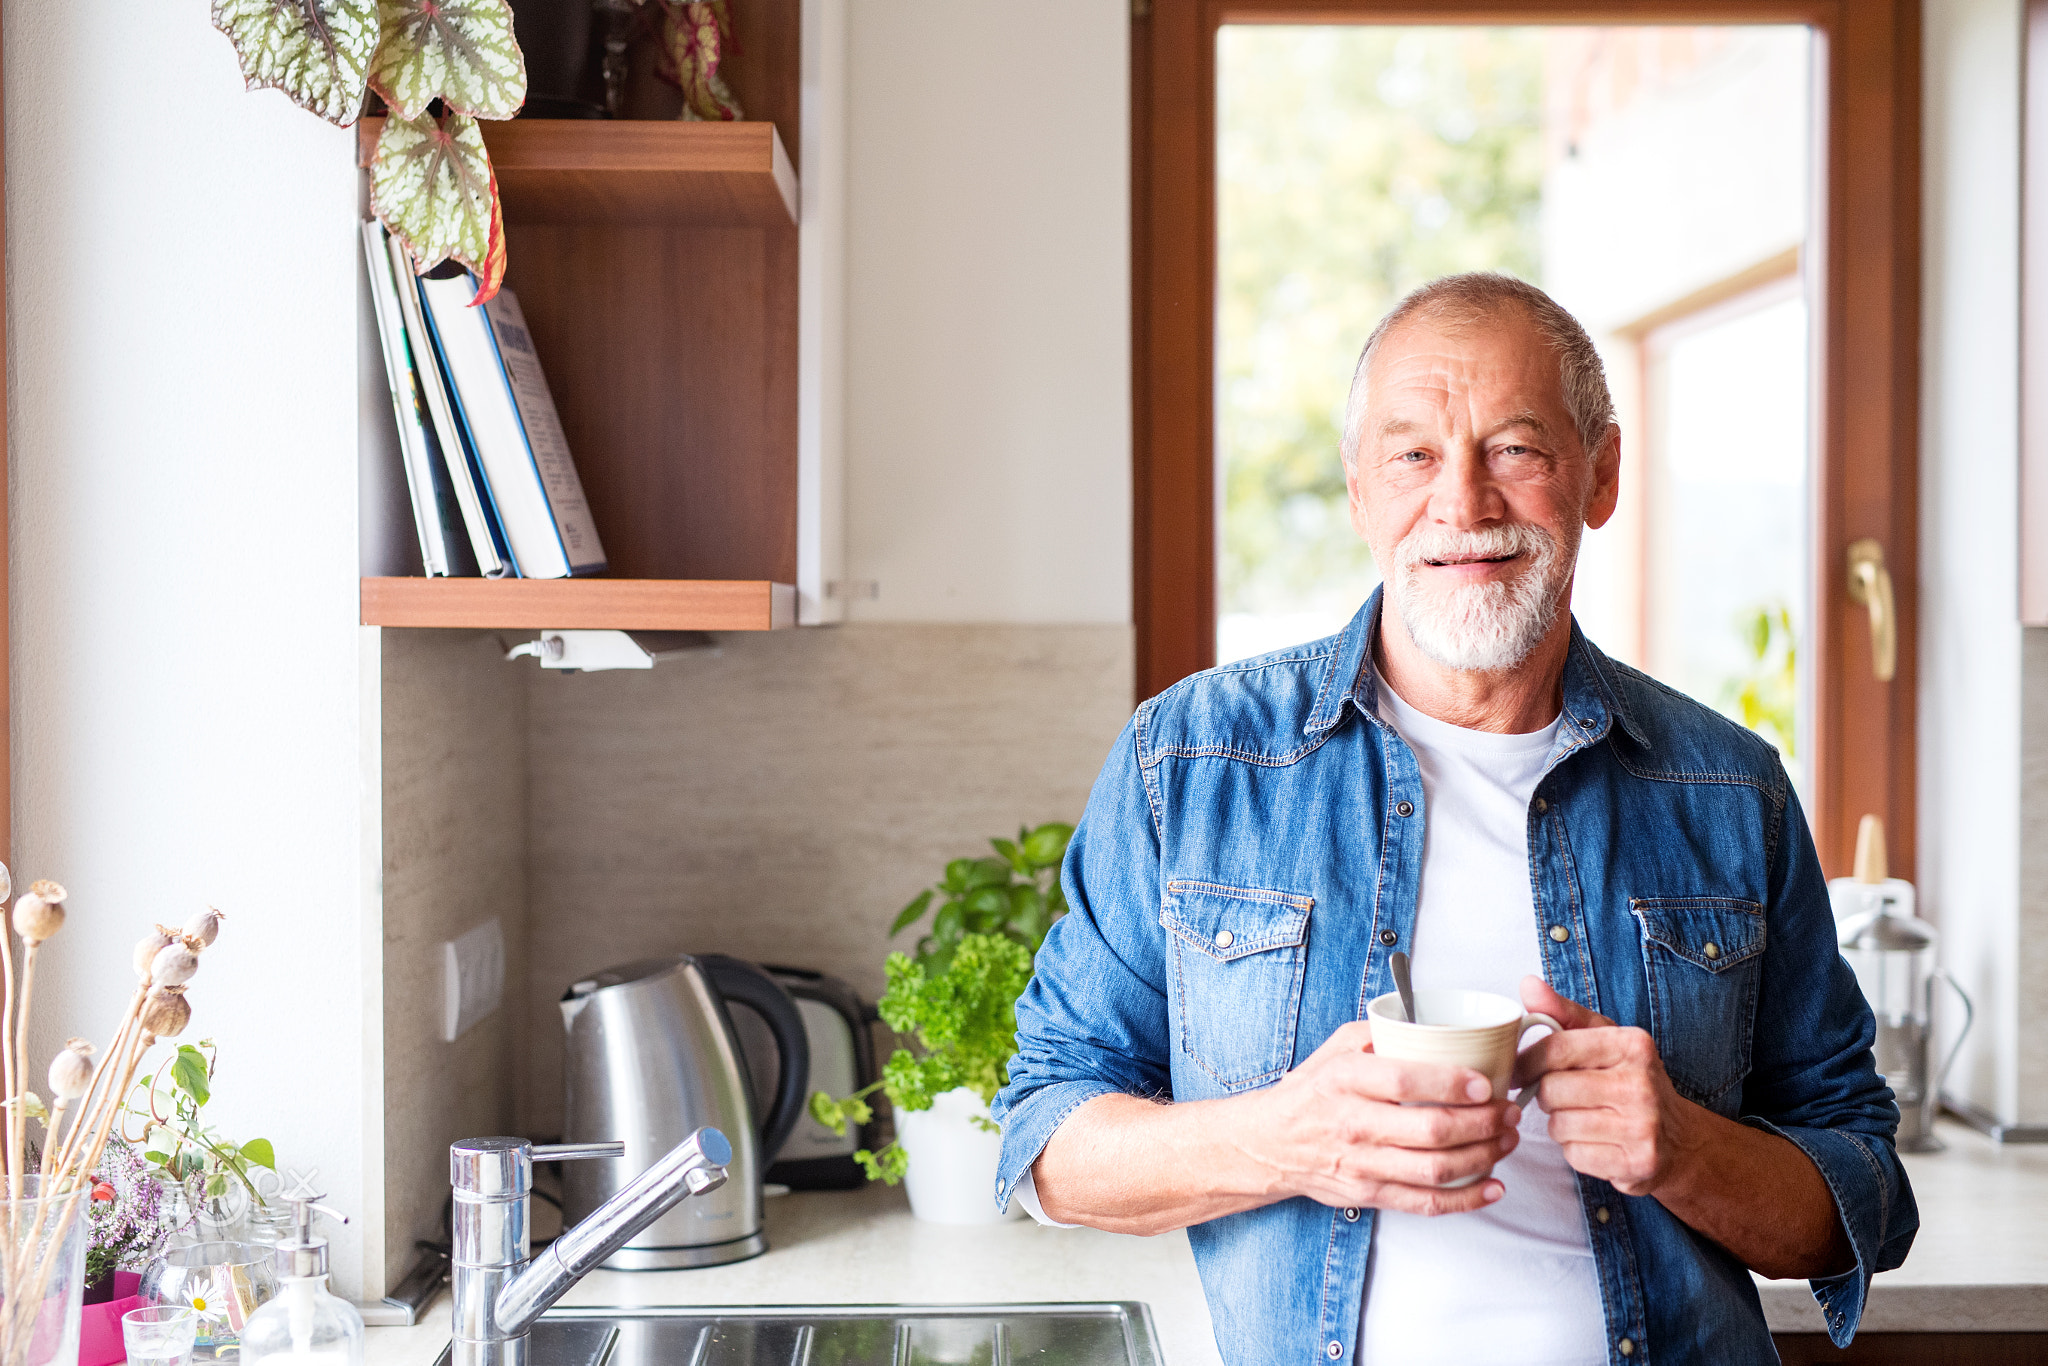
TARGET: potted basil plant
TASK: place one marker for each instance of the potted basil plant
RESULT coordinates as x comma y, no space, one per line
955,999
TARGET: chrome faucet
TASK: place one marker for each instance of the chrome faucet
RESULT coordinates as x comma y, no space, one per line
498,1292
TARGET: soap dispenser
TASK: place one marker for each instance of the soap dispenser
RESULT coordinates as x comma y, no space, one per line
307,1324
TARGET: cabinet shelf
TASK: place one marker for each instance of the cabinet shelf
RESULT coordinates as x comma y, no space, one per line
645,172
585,604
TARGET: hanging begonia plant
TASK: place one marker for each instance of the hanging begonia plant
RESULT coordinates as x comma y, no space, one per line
439,65
694,36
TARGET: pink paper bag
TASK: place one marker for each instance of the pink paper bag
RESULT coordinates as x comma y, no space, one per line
99,1331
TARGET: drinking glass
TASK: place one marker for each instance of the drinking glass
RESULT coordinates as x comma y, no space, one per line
159,1335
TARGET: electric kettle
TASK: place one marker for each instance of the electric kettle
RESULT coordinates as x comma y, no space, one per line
650,1057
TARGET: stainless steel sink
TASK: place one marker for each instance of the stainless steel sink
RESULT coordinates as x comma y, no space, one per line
1110,1334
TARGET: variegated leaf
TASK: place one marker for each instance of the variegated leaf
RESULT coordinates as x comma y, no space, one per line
432,184
694,36
316,51
460,52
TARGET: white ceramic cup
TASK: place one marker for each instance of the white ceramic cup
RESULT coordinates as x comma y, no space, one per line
1475,1029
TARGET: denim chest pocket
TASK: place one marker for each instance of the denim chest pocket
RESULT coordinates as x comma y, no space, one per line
1704,957
1238,955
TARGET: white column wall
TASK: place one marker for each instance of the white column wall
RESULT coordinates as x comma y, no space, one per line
191,699
1974,681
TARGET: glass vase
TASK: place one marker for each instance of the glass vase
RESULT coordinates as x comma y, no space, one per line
223,1283
44,1240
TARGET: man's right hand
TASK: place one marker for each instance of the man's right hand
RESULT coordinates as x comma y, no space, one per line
1335,1129
1344,1129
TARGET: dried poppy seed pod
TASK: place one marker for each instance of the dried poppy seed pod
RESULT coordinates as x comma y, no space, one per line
71,1071
166,1012
6,883
202,929
173,965
148,947
39,911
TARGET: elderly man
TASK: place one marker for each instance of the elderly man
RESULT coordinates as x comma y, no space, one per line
1460,776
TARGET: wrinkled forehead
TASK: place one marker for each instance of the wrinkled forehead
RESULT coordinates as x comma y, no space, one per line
1492,360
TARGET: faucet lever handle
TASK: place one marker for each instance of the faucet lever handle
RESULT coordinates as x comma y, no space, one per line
566,1152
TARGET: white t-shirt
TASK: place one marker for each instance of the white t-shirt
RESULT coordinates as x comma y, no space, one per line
1514,1281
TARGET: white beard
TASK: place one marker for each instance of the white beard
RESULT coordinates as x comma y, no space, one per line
1482,627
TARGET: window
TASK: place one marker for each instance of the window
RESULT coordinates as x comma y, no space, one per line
1685,188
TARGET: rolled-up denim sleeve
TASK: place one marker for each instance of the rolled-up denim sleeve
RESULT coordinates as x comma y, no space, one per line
1813,1079
1093,1020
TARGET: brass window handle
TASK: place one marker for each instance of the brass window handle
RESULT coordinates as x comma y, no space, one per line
1870,585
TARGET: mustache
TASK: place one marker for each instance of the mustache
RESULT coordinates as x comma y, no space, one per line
1440,544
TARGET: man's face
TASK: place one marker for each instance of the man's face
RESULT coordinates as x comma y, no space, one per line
1471,486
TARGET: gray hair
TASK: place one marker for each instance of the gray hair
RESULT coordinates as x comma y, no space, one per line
1462,301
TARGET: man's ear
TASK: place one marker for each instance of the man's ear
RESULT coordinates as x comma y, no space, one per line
1354,499
1606,479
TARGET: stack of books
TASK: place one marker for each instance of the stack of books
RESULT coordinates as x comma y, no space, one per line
494,491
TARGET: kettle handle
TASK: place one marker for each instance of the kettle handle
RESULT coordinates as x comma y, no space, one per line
735,979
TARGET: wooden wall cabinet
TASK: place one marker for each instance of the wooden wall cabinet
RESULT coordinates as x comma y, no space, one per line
668,283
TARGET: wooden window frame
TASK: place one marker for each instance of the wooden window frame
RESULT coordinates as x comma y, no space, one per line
1636,410
1866,396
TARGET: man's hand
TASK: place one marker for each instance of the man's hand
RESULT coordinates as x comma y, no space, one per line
1617,1117
1345,1129
1611,1106
1334,1129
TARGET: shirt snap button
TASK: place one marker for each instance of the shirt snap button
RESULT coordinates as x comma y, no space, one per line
1351,1216
1404,808
1334,1350
1541,806
1224,938
1601,1214
1712,950
1627,1346
1389,938
1559,933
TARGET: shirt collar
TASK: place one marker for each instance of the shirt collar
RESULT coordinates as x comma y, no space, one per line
1592,701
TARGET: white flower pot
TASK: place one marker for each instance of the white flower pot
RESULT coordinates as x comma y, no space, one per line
952,1172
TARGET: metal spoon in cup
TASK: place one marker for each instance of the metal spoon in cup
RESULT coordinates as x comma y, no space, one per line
1398,962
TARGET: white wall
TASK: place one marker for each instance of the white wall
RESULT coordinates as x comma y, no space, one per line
988,311
1715,170
187,705
1971,825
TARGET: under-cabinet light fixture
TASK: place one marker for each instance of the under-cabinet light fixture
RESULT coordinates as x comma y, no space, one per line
590,651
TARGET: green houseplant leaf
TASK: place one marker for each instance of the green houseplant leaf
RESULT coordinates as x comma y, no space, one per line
1047,845
432,184
188,1073
316,51
907,917
988,872
460,52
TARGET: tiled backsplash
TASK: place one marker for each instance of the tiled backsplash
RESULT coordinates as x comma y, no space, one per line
781,798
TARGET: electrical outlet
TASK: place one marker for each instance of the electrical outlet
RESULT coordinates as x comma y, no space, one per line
474,972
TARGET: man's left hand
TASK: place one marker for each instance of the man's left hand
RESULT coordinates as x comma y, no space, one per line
1612,1108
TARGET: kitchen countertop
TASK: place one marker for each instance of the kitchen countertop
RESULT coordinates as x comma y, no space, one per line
1980,1263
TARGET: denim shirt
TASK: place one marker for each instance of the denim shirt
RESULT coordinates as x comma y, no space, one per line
1269,800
